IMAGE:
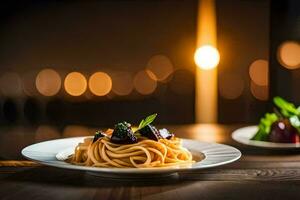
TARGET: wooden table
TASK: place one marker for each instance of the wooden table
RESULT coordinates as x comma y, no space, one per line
259,174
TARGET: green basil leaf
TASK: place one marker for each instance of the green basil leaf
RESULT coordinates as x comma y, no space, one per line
150,119
141,124
146,121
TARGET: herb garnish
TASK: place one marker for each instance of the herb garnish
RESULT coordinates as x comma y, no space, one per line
148,120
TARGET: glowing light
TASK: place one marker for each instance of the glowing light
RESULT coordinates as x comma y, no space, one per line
209,133
100,83
207,57
75,84
259,92
289,55
11,84
48,82
143,83
231,85
122,83
159,67
258,72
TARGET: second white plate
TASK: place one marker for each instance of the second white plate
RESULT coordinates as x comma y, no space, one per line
244,135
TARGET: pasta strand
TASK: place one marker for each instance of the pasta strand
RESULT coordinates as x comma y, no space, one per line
143,154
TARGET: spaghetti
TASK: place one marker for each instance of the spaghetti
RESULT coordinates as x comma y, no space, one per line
143,154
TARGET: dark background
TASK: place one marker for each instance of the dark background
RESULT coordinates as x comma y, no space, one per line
112,36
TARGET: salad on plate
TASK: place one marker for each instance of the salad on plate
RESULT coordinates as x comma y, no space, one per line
280,126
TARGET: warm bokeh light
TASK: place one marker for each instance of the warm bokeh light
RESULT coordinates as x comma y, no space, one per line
209,133
143,83
48,82
11,84
75,84
231,85
45,132
207,57
28,80
259,92
205,132
289,54
159,67
100,83
259,71
122,83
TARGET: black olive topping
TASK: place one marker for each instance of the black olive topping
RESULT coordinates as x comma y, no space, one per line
150,132
123,134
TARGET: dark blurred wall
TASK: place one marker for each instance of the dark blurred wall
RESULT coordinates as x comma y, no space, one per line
88,36
243,37
112,36
84,35
285,27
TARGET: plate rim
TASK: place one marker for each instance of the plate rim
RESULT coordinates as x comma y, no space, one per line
236,151
262,144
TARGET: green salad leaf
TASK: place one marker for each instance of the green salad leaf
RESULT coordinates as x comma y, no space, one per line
287,109
264,127
295,121
283,109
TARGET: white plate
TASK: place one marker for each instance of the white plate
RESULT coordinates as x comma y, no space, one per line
244,135
53,152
